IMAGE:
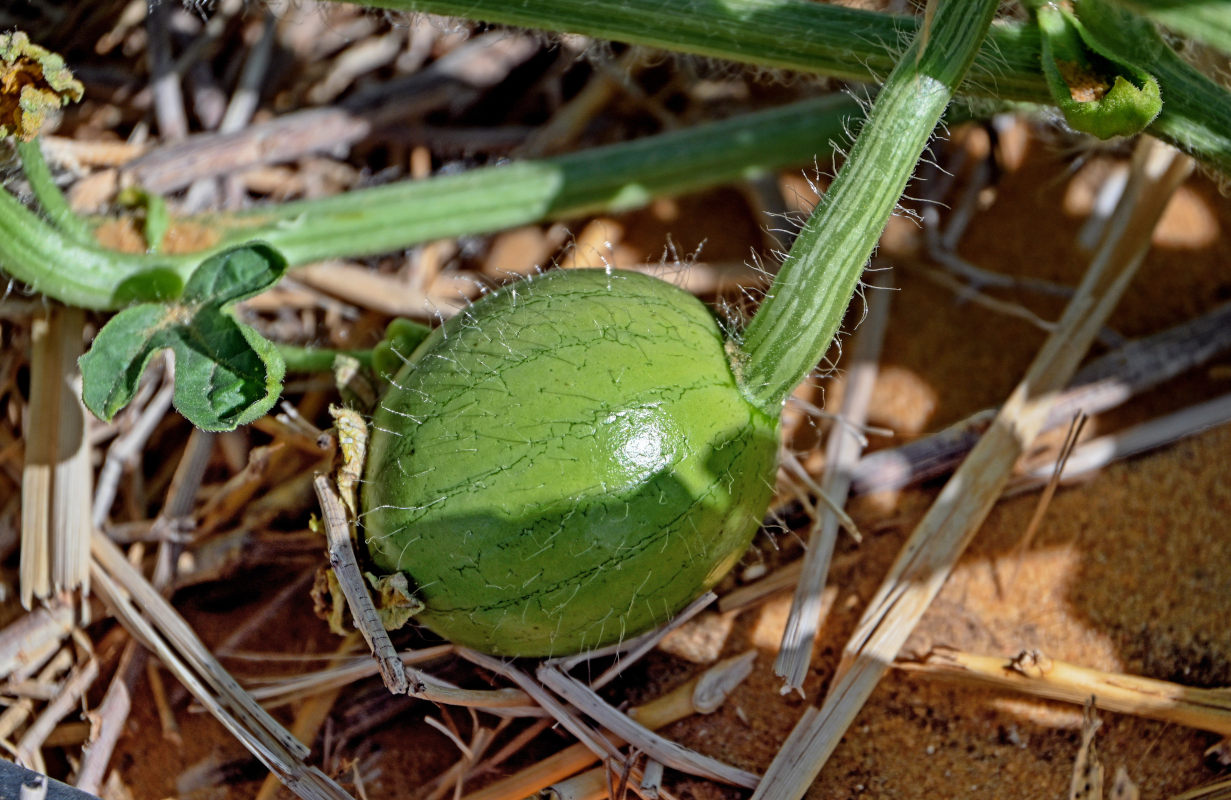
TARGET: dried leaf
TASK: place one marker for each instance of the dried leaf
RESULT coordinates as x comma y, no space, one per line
33,83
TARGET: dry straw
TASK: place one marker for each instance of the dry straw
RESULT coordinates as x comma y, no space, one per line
940,537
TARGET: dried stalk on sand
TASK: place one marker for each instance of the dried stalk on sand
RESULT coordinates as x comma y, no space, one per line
933,548
1033,673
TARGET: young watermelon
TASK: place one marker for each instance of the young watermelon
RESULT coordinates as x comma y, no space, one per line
566,464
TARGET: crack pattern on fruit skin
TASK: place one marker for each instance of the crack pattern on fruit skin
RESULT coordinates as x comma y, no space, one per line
566,464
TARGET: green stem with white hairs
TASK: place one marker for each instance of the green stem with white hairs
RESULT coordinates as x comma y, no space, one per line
800,314
75,269
825,39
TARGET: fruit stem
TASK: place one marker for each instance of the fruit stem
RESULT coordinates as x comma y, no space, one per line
800,314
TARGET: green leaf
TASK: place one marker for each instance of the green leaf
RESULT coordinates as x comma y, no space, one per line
113,365
226,374
1098,92
234,275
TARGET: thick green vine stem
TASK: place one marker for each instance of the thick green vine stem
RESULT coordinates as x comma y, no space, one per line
55,264
53,201
826,39
385,218
800,314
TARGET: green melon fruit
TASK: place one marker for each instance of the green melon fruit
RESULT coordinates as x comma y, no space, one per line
567,463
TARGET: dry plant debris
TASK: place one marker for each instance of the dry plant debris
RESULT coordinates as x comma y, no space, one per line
203,552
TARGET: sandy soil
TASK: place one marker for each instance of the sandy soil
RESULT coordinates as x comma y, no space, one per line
1127,573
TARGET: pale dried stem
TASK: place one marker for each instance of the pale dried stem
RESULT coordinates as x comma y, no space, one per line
240,488
181,497
668,752
107,721
360,286
166,716
593,741
965,291
1037,675
700,695
1089,457
638,647
183,654
1217,790
454,79
17,714
842,450
397,678
310,716
651,782
283,690
454,778
34,636
1086,782
833,505
637,644
941,536
1104,383
568,120
346,568
164,80
55,524
124,451
79,681
1049,491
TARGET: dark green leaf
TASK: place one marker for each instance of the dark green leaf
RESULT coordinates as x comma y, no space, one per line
226,374
234,275
112,368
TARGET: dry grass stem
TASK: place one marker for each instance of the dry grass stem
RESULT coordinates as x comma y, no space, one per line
1037,675
651,783
126,449
454,79
285,690
107,721
1103,384
940,537
967,292
240,488
842,451
639,646
360,286
1087,780
833,505
1049,491
74,688
455,777
593,741
183,654
780,580
1089,457
669,753
346,568
20,712
55,524
34,637
1217,790
311,716
701,694
166,716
